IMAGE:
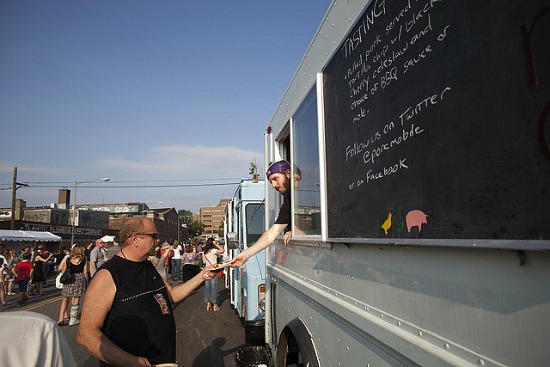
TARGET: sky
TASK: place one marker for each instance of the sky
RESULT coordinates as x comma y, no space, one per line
169,99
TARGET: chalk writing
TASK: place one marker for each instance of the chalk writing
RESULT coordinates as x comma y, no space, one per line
417,116
378,67
412,24
425,103
369,156
352,42
373,147
386,171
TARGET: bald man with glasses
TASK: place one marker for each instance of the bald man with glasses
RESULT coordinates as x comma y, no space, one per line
98,256
127,317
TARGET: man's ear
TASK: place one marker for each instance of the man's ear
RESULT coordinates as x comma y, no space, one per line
287,173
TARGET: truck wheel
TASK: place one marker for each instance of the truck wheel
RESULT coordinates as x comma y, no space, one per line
295,347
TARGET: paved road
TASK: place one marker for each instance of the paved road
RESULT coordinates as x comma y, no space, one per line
204,339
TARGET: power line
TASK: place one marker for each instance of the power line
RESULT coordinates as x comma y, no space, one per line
148,183
132,181
106,186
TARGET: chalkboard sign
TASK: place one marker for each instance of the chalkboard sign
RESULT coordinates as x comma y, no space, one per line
437,118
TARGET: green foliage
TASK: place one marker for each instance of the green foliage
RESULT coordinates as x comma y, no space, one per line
189,228
253,170
185,216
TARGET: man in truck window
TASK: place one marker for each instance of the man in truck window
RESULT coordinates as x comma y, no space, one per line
278,174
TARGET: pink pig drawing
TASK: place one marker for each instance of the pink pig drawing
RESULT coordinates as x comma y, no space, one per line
416,218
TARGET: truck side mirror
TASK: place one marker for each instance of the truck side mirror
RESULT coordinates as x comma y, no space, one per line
232,241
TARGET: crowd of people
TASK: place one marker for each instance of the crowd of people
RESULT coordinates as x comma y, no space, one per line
29,269
127,315
180,263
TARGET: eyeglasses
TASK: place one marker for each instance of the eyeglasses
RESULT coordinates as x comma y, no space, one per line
152,235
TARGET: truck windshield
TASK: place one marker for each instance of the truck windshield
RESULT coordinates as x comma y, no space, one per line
254,222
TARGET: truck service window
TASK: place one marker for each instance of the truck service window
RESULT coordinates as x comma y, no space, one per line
305,168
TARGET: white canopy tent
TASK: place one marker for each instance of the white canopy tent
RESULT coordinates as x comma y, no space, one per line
108,238
28,236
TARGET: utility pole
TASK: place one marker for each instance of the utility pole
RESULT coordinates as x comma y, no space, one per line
13,197
15,185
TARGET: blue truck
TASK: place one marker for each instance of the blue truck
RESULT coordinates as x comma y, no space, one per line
243,225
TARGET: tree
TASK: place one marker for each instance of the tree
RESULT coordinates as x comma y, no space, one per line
189,228
186,216
186,221
195,229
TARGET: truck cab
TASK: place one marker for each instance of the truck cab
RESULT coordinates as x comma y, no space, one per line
244,224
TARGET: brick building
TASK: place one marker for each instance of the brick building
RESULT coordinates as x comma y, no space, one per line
212,218
91,221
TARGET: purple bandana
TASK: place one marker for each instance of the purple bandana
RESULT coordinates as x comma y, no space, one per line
279,166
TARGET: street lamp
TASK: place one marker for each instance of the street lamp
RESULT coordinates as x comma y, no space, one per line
76,183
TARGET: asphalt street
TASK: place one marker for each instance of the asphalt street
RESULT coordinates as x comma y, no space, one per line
204,339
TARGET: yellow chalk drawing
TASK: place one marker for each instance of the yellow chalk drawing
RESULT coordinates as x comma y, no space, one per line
387,224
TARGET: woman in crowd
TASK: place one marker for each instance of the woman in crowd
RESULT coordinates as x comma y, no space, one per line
210,257
13,259
76,261
197,245
176,261
159,260
3,276
190,269
38,275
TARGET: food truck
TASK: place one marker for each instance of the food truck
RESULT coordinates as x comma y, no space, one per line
243,225
421,226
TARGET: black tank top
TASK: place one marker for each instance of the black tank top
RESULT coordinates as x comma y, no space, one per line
141,320
78,268
284,213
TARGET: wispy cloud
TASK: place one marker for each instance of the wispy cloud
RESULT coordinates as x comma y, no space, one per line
179,160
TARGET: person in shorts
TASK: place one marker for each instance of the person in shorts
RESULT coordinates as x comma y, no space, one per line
23,272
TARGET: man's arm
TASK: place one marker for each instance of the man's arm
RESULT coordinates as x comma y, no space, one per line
97,303
264,241
93,260
86,273
62,265
181,291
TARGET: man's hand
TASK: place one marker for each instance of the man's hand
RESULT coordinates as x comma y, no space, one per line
239,260
263,242
142,361
286,237
207,273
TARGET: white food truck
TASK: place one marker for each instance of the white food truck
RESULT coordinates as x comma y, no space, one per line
420,130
